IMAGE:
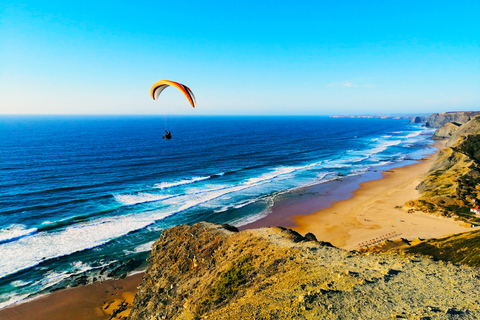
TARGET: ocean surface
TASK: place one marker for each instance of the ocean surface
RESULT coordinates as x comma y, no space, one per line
82,198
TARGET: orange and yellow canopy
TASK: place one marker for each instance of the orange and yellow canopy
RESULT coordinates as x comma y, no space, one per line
159,86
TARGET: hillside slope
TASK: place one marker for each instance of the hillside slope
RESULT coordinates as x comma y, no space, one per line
453,181
207,271
463,248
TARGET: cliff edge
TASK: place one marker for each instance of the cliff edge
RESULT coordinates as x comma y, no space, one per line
436,120
209,271
453,182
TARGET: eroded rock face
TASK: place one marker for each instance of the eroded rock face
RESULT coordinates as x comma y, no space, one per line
446,130
437,120
207,271
417,120
472,127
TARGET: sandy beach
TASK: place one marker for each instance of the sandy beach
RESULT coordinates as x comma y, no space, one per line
346,213
79,303
374,212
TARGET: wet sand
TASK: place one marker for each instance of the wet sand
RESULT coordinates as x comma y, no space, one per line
374,211
360,209
346,213
79,303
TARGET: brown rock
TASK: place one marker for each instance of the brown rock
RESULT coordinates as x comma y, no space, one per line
275,273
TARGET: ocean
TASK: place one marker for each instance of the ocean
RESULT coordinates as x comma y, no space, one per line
82,198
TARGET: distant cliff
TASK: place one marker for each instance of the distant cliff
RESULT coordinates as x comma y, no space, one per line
453,181
417,119
209,271
437,120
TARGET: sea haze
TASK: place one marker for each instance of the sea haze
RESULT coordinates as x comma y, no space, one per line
84,197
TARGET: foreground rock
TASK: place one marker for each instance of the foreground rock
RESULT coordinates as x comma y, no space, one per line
209,271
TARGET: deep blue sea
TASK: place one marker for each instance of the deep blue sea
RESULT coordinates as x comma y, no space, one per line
82,198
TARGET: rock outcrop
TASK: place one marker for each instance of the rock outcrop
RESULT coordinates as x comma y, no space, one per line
453,181
209,271
469,128
446,130
437,120
417,119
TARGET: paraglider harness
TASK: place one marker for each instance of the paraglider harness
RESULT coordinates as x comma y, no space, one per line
167,135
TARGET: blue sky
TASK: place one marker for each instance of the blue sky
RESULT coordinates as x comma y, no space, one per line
240,57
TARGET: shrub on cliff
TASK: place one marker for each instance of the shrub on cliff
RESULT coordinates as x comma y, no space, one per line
228,283
461,248
470,147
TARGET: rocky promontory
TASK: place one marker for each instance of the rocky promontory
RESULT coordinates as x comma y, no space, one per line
436,120
209,271
452,185
446,130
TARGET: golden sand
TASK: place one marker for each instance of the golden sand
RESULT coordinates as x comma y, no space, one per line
374,212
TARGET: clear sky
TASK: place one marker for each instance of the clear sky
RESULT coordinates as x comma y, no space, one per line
240,57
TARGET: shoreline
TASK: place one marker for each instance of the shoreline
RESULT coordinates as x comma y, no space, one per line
360,209
77,303
375,211
366,203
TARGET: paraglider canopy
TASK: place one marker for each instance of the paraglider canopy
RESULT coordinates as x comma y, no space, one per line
159,86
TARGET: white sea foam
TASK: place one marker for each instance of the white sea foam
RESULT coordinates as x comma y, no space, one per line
15,231
335,164
206,192
50,279
236,205
11,299
31,250
166,185
80,267
271,175
383,146
132,199
250,219
190,200
20,283
144,247
413,134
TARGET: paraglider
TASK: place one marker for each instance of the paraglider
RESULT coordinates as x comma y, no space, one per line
167,135
159,86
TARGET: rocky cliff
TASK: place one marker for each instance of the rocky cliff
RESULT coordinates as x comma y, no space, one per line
417,119
446,130
453,181
208,271
436,120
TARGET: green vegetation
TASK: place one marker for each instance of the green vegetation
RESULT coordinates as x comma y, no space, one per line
461,248
449,190
470,147
228,282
